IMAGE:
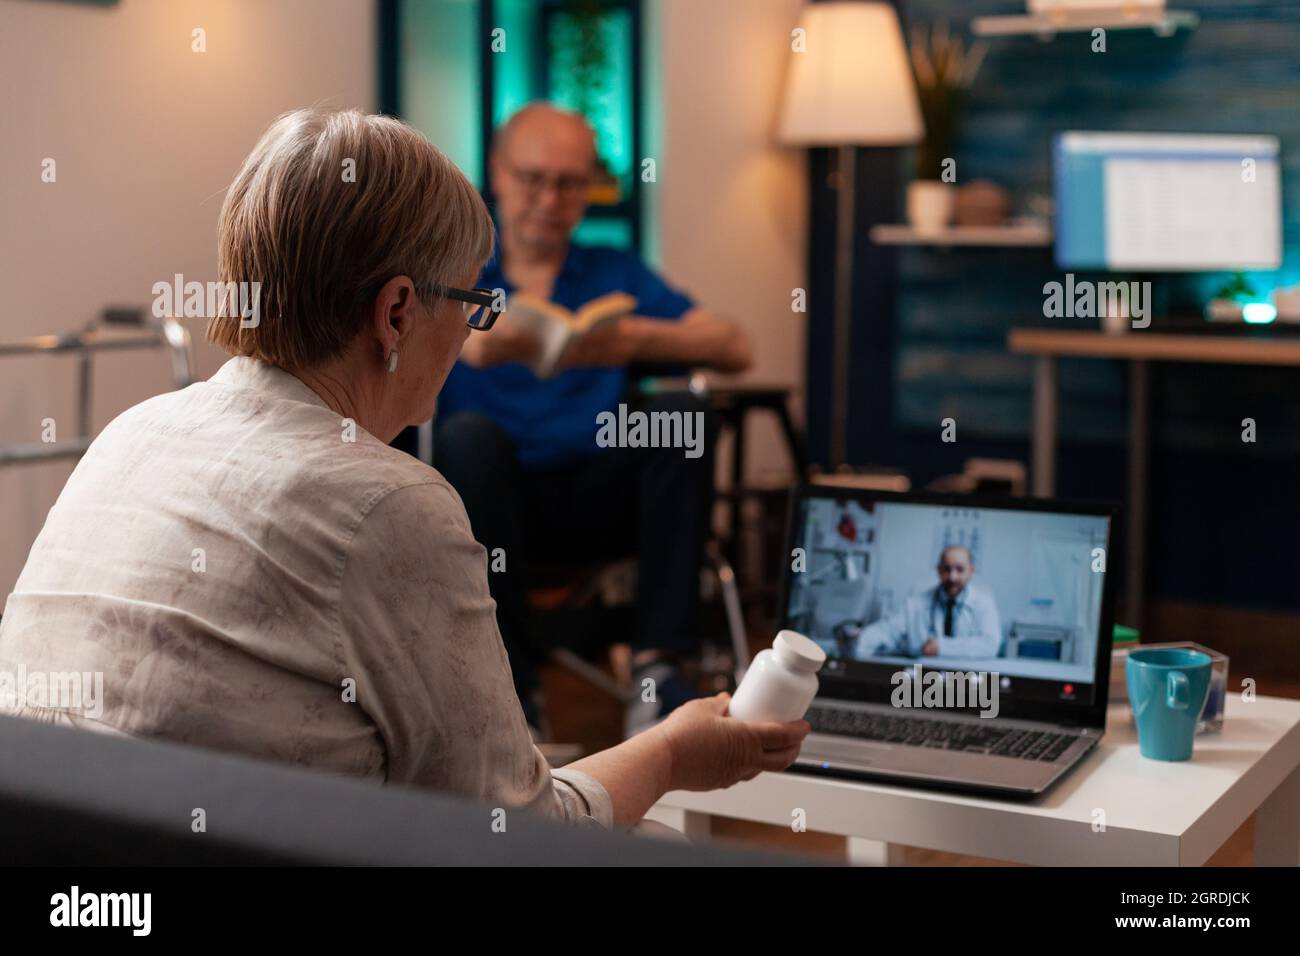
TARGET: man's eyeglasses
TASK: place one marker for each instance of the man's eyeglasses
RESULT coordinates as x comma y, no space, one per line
479,305
536,182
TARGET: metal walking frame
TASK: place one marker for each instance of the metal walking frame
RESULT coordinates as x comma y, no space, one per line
115,329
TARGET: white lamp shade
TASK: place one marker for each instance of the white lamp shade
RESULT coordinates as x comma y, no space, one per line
852,84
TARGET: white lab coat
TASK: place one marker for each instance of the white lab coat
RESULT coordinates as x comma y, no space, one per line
977,628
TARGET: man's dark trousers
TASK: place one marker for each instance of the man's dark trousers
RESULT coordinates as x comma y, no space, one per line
654,503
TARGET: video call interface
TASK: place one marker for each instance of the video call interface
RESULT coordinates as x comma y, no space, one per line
950,588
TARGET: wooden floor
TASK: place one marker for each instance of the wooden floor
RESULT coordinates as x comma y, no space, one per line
580,713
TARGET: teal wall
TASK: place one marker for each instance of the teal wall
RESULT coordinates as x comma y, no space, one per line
440,85
1238,71
930,326
442,58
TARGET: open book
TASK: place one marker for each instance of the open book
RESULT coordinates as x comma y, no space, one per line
556,328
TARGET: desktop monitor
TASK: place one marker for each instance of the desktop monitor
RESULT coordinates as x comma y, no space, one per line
1167,202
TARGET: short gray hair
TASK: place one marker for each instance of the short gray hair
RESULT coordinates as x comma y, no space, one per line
327,208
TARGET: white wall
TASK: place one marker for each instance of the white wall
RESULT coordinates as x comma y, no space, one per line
146,134
729,210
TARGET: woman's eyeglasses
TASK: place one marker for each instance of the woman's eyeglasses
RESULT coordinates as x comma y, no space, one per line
479,305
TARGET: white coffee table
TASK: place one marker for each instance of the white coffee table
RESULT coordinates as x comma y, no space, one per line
1115,809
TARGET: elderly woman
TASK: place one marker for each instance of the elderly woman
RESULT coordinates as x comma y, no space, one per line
253,569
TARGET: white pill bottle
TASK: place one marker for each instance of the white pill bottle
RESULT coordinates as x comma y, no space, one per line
782,681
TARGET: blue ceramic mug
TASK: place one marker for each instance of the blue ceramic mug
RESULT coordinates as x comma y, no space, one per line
1167,689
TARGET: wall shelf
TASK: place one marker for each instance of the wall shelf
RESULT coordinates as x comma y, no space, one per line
1046,25
1025,234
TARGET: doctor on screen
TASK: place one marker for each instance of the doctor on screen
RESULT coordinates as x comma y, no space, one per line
952,619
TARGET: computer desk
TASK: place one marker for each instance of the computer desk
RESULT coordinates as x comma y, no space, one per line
1138,347
1116,808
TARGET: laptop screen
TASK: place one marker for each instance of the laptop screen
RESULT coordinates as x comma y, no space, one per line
1014,590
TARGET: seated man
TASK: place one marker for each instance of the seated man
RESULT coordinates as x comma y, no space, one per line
522,451
952,619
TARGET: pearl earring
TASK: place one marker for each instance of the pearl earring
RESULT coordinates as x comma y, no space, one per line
392,361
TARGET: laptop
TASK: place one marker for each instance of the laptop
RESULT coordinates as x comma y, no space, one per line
968,639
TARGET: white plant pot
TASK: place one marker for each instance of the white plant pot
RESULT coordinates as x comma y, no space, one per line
929,205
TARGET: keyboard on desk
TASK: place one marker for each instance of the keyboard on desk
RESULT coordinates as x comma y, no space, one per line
944,735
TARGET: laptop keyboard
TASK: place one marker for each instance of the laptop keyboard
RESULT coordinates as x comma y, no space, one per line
941,735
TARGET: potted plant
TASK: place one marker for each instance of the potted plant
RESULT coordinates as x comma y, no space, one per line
944,68
588,60
1230,301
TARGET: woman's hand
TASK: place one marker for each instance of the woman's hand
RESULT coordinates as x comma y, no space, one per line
710,750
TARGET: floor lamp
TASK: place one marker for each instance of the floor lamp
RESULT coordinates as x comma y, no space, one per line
850,84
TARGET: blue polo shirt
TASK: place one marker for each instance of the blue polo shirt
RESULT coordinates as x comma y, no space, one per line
554,420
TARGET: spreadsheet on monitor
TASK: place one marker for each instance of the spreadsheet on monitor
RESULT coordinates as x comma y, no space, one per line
1167,201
